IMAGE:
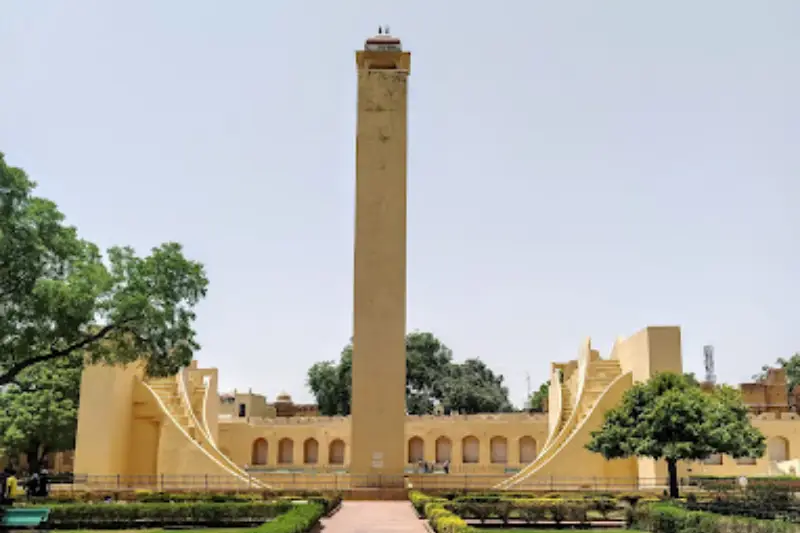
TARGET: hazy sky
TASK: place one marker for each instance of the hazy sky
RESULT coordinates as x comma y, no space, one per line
575,168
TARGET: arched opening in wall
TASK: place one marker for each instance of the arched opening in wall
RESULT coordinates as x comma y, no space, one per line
713,459
498,448
778,449
527,450
259,454
444,449
416,450
336,452
285,451
470,450
310,451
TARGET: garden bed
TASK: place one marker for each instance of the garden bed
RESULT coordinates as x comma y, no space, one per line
283,515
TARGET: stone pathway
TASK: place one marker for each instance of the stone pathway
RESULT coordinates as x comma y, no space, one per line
374,517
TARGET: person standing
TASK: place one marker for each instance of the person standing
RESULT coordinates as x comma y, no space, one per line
43,489
32,486
3,485
11,486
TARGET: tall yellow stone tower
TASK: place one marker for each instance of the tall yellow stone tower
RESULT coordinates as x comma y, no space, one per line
379,306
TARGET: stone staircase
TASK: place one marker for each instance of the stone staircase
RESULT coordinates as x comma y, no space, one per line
600,374
167,390
566,407
184,410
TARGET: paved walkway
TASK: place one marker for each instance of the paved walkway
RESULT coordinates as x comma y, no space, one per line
374,517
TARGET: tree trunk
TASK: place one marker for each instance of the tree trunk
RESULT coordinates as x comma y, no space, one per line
672,468
32,456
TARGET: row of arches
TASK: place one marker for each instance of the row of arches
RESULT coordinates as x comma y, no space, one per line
471,450
777,451
260,452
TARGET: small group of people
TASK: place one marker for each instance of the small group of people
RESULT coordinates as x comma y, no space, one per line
37,485
424,467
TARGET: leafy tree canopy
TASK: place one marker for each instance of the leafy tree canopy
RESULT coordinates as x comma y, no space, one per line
539,397
790,365
670,417
433,381
59,297
39,411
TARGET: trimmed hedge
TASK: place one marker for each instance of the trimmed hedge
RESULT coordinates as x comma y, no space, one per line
444,521
668,518
139,515
419,500
125,515
301,519
530,510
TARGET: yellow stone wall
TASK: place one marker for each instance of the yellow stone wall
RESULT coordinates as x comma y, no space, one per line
379,286
104,441
124,430
179,427
287,440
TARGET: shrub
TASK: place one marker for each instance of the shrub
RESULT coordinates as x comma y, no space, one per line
558,511
300,519
669,518
577,512
762,500
532,512
477,510
419,500
444,521
481,498
329,503
603,505
112,516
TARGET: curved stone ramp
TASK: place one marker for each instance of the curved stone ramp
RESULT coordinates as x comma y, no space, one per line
203,435
594,377
181,451
568,416
570,459
374,517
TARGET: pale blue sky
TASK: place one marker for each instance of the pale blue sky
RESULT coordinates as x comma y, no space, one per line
575,168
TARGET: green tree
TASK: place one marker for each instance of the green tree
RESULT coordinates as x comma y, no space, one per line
471,387
538,399
671,418
432,380
59,296
39,411
330,382
790,365
427,363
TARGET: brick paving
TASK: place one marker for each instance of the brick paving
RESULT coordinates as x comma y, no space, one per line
374,517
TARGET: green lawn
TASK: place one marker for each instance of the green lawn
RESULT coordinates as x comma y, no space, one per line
562,530
226,530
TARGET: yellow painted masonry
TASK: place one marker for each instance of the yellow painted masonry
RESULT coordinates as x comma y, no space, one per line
141,431
379,302
179,432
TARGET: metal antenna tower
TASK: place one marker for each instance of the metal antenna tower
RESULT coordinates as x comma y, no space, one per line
708,359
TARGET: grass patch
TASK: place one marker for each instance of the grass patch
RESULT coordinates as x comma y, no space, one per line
209,530
562,530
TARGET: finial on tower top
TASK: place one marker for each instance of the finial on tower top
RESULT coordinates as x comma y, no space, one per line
383,42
